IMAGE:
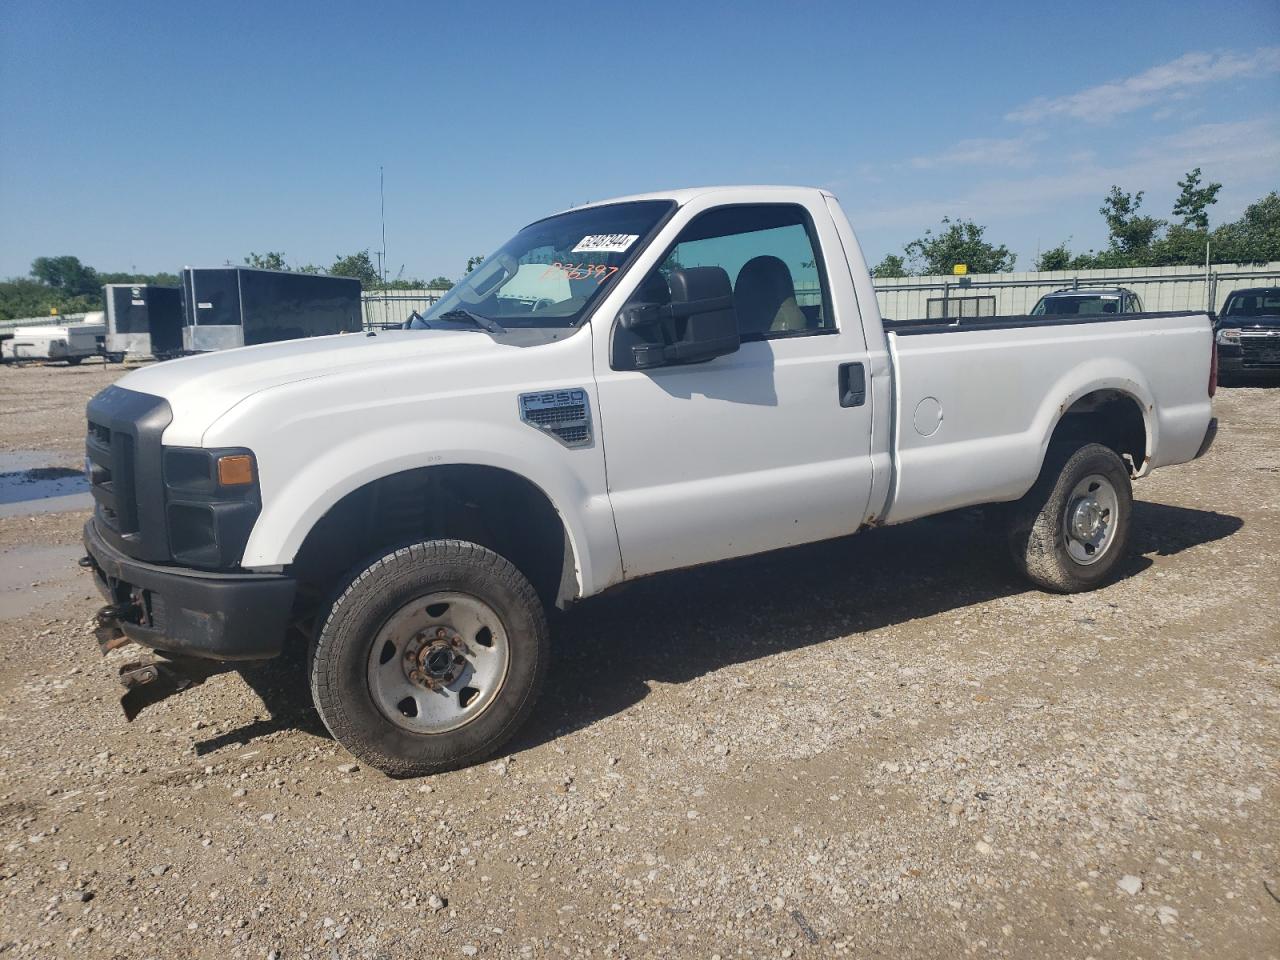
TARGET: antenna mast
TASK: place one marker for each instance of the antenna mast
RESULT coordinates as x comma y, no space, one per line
382,200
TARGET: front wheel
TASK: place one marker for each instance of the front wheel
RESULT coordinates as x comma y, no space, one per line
1072,528
431,658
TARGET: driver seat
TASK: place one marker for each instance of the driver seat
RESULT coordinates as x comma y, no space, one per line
765,298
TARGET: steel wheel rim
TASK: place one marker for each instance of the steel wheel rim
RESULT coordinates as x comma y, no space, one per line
1089,520
438,662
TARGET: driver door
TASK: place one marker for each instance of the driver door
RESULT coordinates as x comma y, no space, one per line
762,448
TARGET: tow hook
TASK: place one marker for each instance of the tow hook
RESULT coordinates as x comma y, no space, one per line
107,625
150,681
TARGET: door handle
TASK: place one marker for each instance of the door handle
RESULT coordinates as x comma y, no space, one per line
853,385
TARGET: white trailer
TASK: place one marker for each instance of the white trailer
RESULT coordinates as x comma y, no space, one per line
71,342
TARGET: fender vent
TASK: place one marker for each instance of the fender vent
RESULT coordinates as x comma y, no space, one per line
565,414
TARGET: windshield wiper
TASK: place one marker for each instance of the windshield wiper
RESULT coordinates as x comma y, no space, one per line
484,323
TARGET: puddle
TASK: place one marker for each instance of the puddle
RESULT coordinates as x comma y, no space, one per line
31,482
31,577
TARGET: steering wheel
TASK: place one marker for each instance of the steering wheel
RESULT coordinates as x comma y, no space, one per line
540,303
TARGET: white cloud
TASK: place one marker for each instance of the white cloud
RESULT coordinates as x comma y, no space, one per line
1162,83
1243,152
982,151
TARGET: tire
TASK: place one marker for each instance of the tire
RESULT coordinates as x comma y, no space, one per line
1048,548
432,602
74,361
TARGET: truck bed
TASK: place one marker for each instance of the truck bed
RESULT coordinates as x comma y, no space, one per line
976,403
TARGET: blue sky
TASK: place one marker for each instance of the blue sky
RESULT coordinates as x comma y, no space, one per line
150,136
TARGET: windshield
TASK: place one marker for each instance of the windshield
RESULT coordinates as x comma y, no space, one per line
1254,303
1068,305
550,273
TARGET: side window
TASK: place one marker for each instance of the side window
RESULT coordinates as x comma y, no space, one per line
771,257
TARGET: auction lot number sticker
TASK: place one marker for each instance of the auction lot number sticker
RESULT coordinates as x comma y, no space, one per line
605,243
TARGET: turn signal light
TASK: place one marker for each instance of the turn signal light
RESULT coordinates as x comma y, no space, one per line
235,471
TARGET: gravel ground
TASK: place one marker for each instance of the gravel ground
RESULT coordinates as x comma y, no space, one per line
882,746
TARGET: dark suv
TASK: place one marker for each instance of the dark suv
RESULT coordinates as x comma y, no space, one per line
1248,333
1087,300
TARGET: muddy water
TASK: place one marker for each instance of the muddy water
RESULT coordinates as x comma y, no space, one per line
36,481
35,577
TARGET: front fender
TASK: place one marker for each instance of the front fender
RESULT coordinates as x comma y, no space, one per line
293,501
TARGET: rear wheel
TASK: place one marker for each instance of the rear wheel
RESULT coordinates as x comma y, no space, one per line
431,658
1072,528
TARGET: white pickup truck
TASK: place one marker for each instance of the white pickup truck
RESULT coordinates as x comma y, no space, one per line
628,387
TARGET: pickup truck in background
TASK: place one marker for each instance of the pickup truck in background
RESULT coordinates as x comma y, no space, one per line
1248,334
1084,301
629,387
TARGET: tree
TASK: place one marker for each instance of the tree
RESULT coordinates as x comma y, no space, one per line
959,241
1055,258
891,266
439,283
1254,238
1180,245
356,265
1131,233
66,274
271,260
473,262
1195,200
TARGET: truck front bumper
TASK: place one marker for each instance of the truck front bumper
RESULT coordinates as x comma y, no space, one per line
191,613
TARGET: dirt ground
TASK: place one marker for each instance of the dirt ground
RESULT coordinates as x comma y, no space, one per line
882,746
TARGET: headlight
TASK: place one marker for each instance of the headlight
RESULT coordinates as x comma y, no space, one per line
1229,335
211,503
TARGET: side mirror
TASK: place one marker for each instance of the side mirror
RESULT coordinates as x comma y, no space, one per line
699,323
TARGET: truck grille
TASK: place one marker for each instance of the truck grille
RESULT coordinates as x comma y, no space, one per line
1260,351
123,451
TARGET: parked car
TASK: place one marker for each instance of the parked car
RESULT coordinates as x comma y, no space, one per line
71,342
413,501
1087,301
1248,333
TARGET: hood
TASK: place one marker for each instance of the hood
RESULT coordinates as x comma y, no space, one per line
201,388
1266,322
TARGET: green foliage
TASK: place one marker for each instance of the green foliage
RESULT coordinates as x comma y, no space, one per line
357,265
1181,245
1254,238
1131,233
959,241
1055,258
891,266
473,262
271,260
1195,200
66,275
1137,241
66,285
23,297
440,283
